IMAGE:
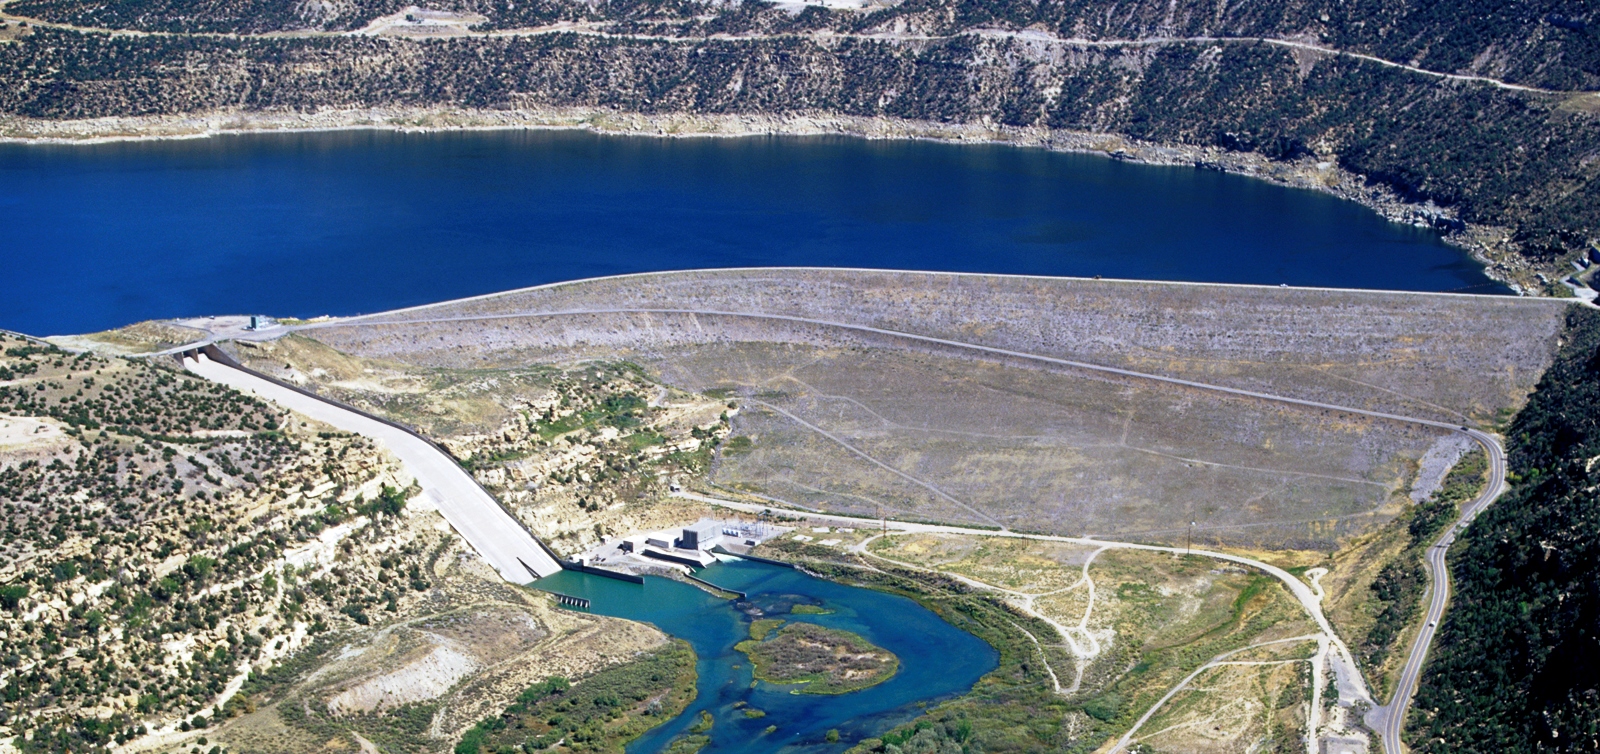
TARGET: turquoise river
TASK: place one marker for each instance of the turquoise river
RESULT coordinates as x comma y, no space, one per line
938,660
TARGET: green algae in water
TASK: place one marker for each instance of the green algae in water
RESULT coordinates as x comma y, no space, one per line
714,626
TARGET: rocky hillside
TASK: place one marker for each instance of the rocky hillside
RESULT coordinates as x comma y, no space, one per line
152,525
183,565
1519,653
1545,43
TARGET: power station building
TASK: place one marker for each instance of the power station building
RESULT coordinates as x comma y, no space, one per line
704,535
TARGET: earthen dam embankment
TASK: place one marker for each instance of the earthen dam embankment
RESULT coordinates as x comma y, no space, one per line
1437,356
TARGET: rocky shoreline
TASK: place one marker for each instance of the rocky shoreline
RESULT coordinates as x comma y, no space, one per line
1489,245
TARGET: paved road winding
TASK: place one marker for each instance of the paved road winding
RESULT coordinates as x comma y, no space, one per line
1389,720
480,520
599,29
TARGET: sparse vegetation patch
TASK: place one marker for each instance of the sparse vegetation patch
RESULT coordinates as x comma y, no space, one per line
601,713
825,660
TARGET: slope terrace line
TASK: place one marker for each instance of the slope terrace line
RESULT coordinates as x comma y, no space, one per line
1390,716
902,335
371,319
880,464
897,425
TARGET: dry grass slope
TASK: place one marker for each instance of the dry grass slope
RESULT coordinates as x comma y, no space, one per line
846,419
1423,355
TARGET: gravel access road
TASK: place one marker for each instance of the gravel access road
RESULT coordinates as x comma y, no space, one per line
1351,686
1388,719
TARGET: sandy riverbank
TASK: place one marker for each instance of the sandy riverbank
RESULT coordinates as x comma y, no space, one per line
1489,245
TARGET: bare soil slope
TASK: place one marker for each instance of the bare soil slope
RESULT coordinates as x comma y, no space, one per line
848,406
1435,356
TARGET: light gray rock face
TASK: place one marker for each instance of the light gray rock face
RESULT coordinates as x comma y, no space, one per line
1436,464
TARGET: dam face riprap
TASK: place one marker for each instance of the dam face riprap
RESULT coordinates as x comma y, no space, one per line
944,397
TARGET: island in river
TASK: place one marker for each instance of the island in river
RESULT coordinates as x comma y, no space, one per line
823,660
646,383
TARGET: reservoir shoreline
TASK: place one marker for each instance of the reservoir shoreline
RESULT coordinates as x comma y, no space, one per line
1487,245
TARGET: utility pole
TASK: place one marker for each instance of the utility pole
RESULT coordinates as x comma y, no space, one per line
1188,542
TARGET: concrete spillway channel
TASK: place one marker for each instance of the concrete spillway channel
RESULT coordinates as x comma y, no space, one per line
498,537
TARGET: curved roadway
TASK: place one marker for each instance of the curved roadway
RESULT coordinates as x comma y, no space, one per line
1311,601
376,26
1389,719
